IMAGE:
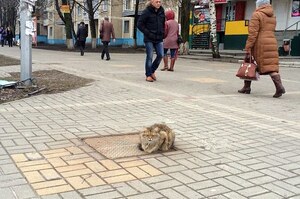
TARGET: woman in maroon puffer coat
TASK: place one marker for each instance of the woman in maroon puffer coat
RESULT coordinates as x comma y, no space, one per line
262,44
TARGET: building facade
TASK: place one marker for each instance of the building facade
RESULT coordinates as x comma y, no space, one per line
232,21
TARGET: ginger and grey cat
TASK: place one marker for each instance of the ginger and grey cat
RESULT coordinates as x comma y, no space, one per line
157,137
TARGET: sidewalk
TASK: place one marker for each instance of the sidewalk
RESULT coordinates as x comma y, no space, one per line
238,55
228,145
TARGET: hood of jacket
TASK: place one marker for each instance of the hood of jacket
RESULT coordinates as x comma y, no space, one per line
267,10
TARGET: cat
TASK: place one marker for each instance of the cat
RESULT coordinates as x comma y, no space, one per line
156,137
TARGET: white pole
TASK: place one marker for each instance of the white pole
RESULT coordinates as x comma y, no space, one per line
26,42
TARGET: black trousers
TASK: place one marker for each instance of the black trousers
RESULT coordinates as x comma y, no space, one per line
105,50
81,45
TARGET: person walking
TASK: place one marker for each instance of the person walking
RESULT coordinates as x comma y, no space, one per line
9,36
106,32
82,34
170,41
152,24
2,35
262,45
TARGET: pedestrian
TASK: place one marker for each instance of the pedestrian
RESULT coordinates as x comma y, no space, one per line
152,24
9,36
82,34
170,41
106,33
2,35
262,45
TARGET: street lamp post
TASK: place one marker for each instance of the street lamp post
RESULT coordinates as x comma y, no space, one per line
26,7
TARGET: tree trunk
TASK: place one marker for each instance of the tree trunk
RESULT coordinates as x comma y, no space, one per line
92,22
185,19
213,29
67,19
137,2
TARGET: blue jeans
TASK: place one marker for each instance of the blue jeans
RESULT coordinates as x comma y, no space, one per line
150,66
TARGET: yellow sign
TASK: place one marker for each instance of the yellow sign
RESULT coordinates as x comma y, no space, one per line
237,27
65,8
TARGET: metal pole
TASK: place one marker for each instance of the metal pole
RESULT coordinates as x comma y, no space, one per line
26,43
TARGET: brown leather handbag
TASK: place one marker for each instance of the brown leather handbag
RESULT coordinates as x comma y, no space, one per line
248,69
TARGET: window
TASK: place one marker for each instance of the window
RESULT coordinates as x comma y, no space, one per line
105,5
51,31
127,4
126,26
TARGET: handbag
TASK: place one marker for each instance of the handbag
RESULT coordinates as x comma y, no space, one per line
179,40
248,69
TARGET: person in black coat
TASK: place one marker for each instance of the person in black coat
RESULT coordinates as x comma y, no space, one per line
82,34
152,24
9,36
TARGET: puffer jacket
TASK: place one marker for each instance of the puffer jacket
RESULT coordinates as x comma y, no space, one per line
261,40
152,24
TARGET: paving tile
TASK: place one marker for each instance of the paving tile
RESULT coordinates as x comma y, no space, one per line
152,195
188,192
125,189
93,180
77,182
24,191
121,178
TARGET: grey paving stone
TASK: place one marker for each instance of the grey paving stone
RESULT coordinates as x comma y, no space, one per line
125,189
234,195
9,168
212,191
7,193
153,195
24,191
195,176
165,184
278,190
267,195
252,191
228,184
96,190
170,193
188,192
106,195
182,178
202,185
262,180
71,194
240,181
140,186
52,196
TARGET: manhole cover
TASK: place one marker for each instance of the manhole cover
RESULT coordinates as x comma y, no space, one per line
116,146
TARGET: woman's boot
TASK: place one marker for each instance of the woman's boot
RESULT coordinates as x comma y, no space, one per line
278,85
246,89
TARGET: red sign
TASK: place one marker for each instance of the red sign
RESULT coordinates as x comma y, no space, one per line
220,1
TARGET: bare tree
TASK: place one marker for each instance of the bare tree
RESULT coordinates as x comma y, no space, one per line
67,20
8,12
91,7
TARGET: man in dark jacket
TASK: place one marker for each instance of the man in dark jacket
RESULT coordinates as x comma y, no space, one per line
152,24
82,34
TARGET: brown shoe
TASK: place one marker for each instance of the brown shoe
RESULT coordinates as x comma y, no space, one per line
164,69
149,79
153,76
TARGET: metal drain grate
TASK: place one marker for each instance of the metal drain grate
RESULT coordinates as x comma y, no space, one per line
116,146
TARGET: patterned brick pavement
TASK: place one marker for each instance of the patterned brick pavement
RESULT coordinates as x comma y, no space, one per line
225,150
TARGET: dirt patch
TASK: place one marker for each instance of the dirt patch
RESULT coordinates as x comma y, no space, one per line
8,61
44,82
